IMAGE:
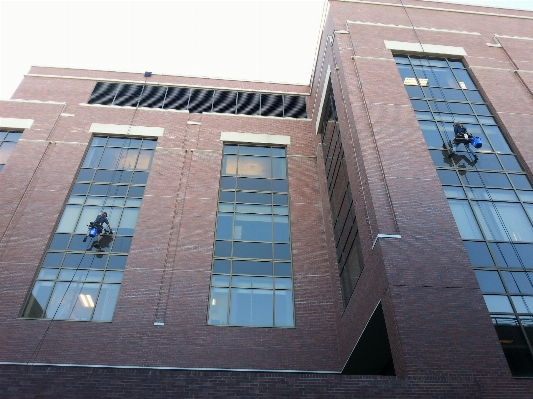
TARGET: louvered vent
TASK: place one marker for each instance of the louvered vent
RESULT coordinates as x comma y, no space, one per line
198,100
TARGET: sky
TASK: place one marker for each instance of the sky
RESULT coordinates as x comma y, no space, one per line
263,40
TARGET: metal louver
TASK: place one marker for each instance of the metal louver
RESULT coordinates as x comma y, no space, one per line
198,100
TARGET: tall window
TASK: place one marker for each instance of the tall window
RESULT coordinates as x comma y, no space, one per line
8,141
491,198
251,280
340,200
76,280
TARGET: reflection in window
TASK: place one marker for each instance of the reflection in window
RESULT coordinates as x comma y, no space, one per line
8,141
494,218
251,280
76,281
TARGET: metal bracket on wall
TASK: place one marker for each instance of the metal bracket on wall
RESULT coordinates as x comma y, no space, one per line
384,236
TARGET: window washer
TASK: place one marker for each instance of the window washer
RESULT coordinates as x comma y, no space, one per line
98,224
461,137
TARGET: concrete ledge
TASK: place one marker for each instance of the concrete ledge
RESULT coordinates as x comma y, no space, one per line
255,138
434,49
127,130
15,123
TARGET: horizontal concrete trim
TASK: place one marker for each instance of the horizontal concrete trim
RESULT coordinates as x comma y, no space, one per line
142,82
255,138
127,130
514,37
179,76
407,47
411,27
52,142
166,368
15,123
354,57
256,116
438,9
35,101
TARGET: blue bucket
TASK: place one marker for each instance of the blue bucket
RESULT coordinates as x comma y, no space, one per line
93,232
476,142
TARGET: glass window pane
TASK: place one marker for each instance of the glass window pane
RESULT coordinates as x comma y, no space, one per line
145,159
93,157
69,220
254,184
60,241
523,304
221,266
107,299
492,194
113,277
223,249
220,280
498,303
496,138
112,158
253,227
117,262
38,299
505,254
252,267
128,221
284,308
281,228
526,196
252,250
431,134
518,282
510,163
47,274
229,165
224,226
254,198
218,306
252,150
279,168
282,269
53,259
520,181
448,177
454,192
489,281
255,166
122,244
466,222
282,251
503,221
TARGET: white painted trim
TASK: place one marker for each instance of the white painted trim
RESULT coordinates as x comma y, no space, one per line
151,83
435,49
437,9
323,98
35,101
515,37
411,27
175,75
124,130
255,138
16,123
128,108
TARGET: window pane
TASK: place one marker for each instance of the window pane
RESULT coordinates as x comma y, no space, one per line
489,281
128,221
224,226
284,309
515,225
145,159
218,306
523,304
229,165
498,303
255,166
466,222
518,282
106,302
38,298
69,219
252,250
281,228
253,227
93,157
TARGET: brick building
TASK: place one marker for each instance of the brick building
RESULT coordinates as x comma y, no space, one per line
274,240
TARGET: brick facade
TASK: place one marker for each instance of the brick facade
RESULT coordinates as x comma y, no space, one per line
442,340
